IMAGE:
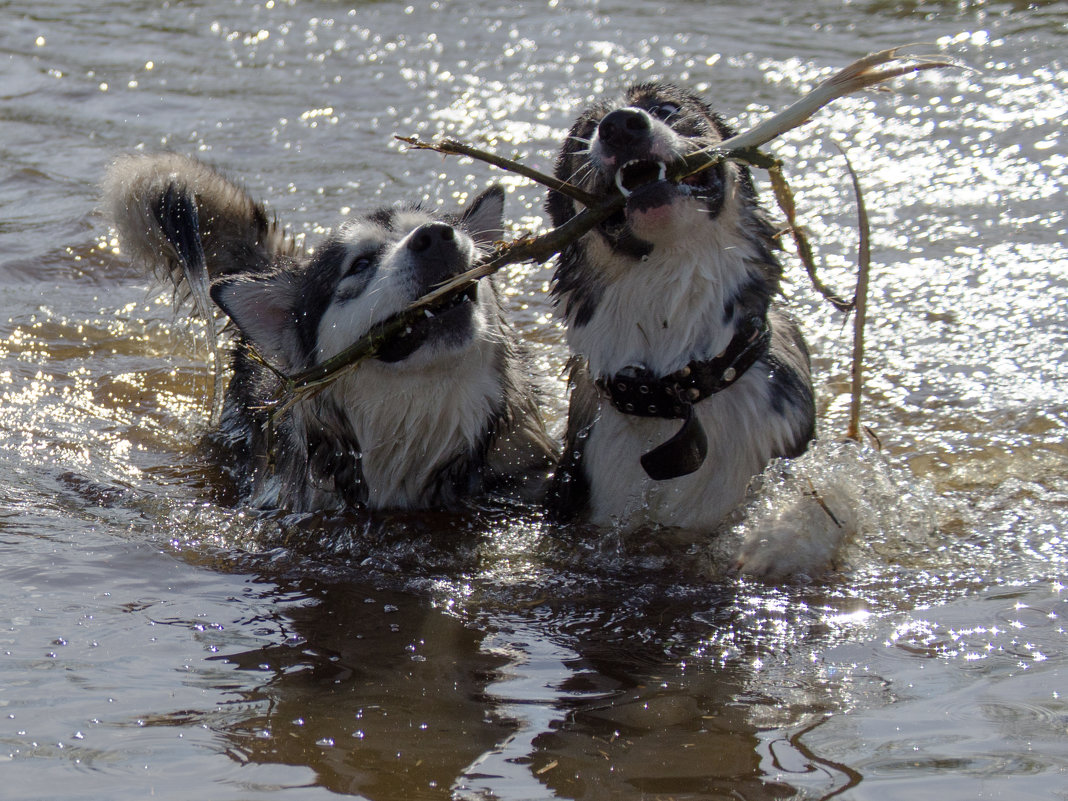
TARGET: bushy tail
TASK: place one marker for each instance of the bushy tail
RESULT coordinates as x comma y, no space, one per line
170,209
189,224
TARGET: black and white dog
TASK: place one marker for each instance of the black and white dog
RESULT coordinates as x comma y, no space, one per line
441,413
685,379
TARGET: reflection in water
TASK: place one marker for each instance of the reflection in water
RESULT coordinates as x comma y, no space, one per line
514,667
385,691
389,695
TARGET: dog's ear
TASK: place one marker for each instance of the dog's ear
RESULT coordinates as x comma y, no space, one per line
263,307
484,218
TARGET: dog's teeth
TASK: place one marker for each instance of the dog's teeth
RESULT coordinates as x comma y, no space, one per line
428,313
663,171
619,183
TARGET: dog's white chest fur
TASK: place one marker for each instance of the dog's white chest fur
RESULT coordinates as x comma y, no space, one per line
660,315
741,440
665,311
409,430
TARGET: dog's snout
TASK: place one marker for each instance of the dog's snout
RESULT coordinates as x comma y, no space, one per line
430,236
437,251
624,127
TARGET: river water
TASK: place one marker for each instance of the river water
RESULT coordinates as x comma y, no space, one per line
156,641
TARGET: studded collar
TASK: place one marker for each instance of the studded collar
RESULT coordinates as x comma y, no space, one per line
640,392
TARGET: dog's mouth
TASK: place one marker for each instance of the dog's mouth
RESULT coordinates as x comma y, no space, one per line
645,185
448,319
638,173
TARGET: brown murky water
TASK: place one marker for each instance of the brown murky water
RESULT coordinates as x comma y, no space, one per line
155,642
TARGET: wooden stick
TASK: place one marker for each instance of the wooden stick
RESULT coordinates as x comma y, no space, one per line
309,382
861,74
860,306
452,147
785,199
744,147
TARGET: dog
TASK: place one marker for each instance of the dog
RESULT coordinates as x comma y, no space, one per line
686,379
443,412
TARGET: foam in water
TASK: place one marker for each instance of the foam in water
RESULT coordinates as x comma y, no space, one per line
883,511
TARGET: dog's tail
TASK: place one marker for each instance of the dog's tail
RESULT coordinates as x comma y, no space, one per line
189,224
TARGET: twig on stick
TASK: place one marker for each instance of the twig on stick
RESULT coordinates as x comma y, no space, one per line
785,198
452,147
860,305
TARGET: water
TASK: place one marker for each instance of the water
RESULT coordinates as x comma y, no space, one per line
154,641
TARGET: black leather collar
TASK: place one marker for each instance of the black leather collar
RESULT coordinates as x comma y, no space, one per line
638,391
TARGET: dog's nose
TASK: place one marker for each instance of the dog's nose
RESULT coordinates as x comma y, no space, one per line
437,252
624,127
427,237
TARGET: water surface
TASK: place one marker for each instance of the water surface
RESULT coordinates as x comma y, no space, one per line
156,641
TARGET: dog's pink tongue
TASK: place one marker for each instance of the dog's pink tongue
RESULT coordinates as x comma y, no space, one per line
650,216
652,204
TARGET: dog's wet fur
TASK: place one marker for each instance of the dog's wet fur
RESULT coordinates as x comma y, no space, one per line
670,280
444,412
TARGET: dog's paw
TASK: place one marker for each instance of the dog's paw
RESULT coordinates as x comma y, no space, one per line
800,542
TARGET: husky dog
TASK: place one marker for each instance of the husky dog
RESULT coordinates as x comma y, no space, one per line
670,321
442,412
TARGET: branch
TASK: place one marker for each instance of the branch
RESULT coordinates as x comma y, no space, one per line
310,382
860,74
451,147
785,198
860,305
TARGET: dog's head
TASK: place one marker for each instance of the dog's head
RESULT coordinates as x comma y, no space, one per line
627,143
301,314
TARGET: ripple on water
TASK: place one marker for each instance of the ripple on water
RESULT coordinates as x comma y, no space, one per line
973,694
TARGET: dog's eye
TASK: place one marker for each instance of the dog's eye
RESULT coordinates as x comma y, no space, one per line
359,265
664,110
